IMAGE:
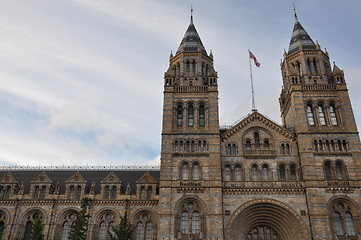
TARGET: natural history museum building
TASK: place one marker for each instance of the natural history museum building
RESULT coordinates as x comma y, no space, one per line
257,179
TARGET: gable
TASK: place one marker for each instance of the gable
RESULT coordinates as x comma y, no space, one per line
256,120
147,178
42,178
8,178
76,178
111,178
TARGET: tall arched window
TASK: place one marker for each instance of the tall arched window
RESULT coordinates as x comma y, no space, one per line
202,116
190,116
256,140
282,172
105,227
78,192
190,224
36,192
185,171
254,172
193,66
328,170
265,175
142,192
43,192
342,219
238,173
149,193
321,115
27,233
310,118
106,192
2,223
144,227
293,172
195,171
179,115
333,115
67,220
339,170
113,192
71,192
227,173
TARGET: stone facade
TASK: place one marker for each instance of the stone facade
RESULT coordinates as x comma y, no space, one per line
254,180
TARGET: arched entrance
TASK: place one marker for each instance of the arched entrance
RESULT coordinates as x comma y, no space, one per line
266,220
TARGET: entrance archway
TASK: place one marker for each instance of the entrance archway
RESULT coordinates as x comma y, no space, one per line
266,219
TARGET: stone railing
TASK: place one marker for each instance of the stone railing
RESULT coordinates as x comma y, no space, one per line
319,87
191,89
263,184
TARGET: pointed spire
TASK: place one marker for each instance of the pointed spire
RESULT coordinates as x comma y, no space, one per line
191,13
171,54
211,54
191,41
300,38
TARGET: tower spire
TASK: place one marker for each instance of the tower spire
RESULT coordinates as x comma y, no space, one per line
191,13
294,10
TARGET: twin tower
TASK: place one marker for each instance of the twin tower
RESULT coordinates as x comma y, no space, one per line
258,179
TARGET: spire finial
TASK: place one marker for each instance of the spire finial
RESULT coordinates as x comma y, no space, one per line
294,10
191,13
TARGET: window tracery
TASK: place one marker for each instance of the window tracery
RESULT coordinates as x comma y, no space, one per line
144,227
106,224
343,222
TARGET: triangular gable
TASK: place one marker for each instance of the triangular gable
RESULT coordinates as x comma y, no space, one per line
76,178
253,117
8,178
147,178
111,178
42,178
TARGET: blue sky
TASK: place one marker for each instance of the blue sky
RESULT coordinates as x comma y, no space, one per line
81,80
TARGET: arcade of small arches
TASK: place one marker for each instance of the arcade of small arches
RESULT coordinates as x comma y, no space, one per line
190,114
321,114
260,172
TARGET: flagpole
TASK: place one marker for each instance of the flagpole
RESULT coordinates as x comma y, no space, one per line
250,71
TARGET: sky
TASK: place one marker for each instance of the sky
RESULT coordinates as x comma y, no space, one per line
81,81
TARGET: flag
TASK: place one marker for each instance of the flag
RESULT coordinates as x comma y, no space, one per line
254,59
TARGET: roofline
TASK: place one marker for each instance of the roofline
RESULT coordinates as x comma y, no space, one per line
5,168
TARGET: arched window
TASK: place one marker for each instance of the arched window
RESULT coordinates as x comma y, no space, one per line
107,192
139,231
202,116
238,173
266,144
144,227
339,170
27,233
142,192
190,116
43,192
185,171
105,227
188,66
265,175
195,171
36,192
113,192
179,115
227,173
65,231
293,173
288,149
282,172
333,115
149,193
67,220
78,192
102,231
193,66
71,192
310,118
190,224
283,148
2,223
248,145
256,140
342,219
254,172
328,170
321,115
344,144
